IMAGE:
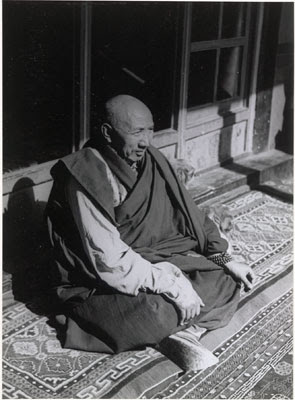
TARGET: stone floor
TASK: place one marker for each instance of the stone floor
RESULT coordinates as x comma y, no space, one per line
247,173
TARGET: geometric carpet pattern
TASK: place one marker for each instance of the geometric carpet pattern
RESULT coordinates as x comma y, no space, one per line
254,351
255,357
262,348
36,366
262,236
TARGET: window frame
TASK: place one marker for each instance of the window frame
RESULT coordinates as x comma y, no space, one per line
39,173
202,114
185,124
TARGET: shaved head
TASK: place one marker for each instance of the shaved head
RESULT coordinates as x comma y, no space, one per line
121,109
128,126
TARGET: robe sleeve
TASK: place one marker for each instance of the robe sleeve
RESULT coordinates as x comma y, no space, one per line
114,261
215,243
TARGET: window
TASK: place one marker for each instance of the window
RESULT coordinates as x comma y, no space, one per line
133,52
218,56
62,59
38,63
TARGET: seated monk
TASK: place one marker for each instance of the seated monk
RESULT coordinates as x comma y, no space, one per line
134,260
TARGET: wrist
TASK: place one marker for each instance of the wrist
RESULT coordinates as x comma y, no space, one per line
165,279
230,266
180,291
221,259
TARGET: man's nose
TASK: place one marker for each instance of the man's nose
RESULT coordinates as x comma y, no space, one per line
145,139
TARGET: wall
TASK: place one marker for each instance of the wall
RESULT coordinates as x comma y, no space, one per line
25,194
265,78
273,126
281,122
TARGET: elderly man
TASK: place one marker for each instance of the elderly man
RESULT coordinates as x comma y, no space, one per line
134,260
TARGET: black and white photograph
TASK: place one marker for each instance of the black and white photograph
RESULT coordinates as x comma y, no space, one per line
147,199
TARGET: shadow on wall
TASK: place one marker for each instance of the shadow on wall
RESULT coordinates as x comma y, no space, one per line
270,73
25,243
252,175
284,139
225,151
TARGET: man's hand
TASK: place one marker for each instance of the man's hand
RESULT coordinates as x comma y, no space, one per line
189,309
183,296
241,272
188,304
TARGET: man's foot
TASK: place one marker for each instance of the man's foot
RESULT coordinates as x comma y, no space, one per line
185,350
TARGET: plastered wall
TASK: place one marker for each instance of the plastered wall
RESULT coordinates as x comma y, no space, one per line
281,121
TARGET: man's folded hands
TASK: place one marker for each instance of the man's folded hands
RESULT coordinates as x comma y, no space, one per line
188,303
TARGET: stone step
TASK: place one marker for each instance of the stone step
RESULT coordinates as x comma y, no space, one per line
243,174
224,197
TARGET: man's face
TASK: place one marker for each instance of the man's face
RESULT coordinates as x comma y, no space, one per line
132,132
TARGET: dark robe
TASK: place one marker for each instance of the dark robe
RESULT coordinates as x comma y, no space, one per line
159,220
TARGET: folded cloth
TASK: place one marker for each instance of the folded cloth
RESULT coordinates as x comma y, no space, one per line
185,350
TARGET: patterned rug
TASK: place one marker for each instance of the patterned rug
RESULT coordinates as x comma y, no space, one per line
35,365
254,363
254,349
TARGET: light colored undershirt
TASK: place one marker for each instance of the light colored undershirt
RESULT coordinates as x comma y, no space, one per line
121,267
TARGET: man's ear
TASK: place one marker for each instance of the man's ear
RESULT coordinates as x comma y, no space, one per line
106,131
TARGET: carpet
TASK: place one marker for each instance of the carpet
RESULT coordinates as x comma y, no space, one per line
254,350
255,362
35,365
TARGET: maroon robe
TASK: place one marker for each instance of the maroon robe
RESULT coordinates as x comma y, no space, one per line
159,220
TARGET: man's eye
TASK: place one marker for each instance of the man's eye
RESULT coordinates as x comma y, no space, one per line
139,132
